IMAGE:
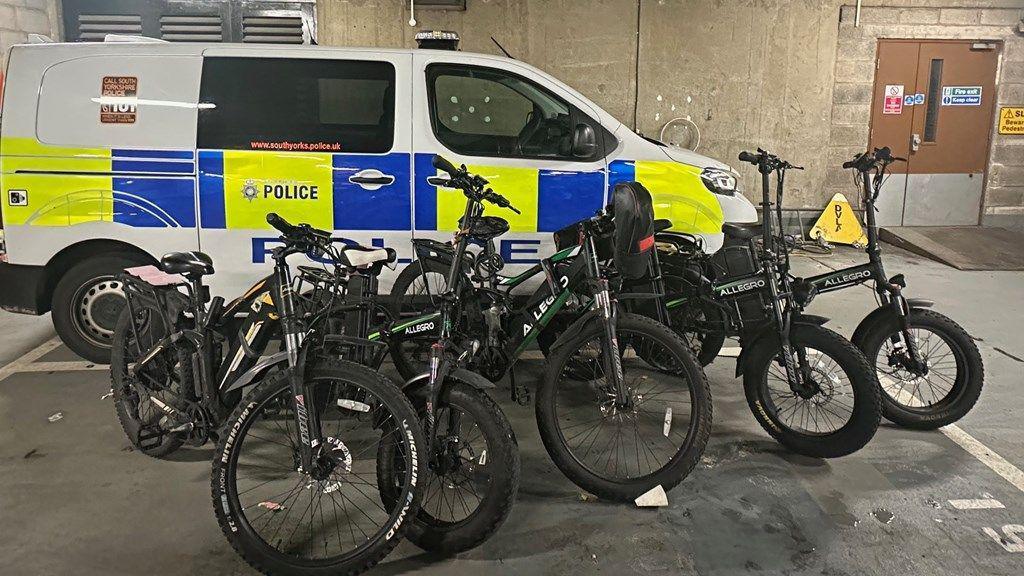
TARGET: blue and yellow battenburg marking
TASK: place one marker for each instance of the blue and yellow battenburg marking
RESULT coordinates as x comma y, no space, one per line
236,189
67,186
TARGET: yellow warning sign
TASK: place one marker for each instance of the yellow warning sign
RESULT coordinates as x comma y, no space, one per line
1011,120
838,223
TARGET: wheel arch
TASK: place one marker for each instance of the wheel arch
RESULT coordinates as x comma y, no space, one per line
73,254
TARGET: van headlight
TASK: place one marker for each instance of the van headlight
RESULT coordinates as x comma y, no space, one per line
719,181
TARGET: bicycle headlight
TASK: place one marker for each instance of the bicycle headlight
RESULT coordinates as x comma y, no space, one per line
719,181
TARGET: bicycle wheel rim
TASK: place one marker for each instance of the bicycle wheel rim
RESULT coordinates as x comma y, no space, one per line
903,388
385,523
581,433
796,414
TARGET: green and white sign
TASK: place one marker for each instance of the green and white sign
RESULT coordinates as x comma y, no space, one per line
961,95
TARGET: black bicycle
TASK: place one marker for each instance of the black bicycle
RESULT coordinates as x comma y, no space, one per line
294,479
472,473
808,387
623,406
929,368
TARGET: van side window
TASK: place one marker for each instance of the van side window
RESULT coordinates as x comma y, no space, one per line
297,105
486,112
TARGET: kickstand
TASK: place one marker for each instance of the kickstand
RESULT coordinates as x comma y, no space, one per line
520,393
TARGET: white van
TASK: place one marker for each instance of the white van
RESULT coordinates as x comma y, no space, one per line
114,153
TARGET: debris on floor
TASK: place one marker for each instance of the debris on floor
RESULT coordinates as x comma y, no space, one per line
653,498
883,515
55,416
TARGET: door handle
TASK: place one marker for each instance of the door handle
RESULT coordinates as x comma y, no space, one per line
371,179
915,142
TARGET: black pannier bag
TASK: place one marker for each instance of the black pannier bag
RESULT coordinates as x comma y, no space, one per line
634,229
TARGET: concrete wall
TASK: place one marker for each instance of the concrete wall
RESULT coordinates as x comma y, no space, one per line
19,18
1003,202
748,72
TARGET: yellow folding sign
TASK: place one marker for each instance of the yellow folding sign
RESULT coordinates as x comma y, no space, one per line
838,223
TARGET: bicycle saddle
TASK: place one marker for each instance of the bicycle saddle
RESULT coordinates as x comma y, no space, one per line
362,256
193,263
742,231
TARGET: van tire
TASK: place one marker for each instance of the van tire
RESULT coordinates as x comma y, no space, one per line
85,296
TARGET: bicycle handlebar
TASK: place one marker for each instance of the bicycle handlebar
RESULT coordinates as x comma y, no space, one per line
471,184
299,234
749,157
442,164
867,160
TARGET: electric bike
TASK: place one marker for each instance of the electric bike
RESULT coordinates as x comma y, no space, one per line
929,368
808,387
293,479
472,473
623,406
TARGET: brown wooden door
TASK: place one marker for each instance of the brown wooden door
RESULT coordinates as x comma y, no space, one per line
942,126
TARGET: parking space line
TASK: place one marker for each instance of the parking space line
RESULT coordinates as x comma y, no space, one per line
975,448
989,458
27,358
976,504
62,366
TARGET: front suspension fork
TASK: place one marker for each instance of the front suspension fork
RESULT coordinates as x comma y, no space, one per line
610,344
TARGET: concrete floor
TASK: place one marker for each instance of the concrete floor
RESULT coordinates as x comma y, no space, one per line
75,499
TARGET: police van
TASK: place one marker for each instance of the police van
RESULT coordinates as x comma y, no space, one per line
114,153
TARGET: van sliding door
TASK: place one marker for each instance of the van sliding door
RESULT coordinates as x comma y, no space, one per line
322,138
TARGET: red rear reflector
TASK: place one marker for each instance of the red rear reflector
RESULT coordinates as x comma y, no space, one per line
646,244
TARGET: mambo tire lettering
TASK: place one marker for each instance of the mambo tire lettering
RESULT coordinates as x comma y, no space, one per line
739,288
845,278
409,498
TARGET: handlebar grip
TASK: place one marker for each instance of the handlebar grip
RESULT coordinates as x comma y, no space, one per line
749,157
850,163
279,223
441,163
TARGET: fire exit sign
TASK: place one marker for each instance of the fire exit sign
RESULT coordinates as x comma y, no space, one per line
961,95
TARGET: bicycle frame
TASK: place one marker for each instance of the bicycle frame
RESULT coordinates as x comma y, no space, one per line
888,290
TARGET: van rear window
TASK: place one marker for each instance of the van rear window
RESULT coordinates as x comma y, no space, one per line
297,105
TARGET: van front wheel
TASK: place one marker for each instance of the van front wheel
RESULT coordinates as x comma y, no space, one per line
87,302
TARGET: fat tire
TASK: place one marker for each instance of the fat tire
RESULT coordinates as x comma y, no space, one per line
249,547
497,505
867,409
669,475
404,281
63,294
970,371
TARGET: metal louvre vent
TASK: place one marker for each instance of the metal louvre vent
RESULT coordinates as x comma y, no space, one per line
191,28
97,26
269,29
250,21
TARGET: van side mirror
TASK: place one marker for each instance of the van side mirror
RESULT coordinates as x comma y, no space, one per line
584,141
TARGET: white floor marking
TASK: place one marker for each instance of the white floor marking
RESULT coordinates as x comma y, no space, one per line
976,504
997,463
27,358
986,455
732,352
1010,539
63,366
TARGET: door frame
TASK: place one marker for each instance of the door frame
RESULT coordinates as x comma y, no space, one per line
1000,47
